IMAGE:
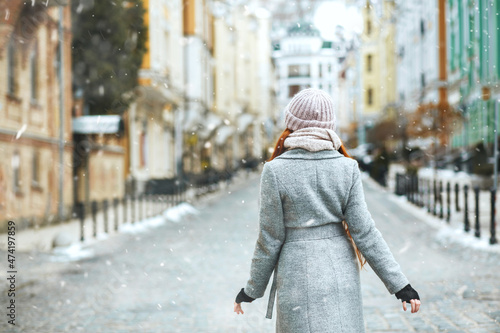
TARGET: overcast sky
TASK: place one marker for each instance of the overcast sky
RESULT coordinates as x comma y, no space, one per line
333,13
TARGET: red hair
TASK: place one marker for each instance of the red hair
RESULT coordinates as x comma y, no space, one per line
279,149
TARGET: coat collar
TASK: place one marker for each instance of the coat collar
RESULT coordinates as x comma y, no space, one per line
302,154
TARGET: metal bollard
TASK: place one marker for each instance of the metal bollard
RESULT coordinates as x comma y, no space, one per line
477,231
434,208
133,208
466,208
144,213
429,195
94,218
448,202
457,190
441,210
115,204
81,216
105,214
125,210
493,238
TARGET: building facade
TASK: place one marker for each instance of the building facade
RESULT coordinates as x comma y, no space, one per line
378,65
474,69
35,108
153,127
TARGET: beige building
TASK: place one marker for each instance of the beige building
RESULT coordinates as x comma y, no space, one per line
153,117
244,85
34,185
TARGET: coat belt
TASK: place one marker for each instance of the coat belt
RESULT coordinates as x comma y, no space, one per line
272,295
292,234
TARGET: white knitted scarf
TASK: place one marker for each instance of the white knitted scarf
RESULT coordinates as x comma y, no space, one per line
313,139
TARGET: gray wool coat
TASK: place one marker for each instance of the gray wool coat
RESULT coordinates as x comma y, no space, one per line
303,200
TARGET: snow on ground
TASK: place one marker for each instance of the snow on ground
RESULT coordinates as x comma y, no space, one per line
175,214
73,252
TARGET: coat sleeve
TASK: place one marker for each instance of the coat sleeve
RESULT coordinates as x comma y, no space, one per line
368,238
271,235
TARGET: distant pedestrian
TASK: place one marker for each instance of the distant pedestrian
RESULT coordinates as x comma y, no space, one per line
311,202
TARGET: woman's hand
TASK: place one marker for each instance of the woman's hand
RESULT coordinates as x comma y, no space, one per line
408,294
415,305
237,308
242,297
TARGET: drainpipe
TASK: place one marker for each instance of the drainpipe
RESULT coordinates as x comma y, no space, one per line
60,73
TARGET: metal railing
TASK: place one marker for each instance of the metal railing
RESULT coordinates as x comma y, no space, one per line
429,194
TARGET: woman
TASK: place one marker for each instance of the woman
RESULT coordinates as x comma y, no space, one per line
311,202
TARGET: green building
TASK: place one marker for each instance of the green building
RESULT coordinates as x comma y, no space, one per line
474,69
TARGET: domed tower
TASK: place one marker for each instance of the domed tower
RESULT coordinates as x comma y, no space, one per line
304,60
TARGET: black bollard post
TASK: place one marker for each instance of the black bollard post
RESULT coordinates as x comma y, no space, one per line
125,209
448,202
420,193
105,214
115,204
466,208
144,212
396,188
441,210
493,237
94,218
457,190
477,231
81,216
434,208
133,208
429,196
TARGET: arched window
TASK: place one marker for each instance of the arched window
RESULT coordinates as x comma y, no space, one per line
368,27
16,177
369,96
34,73
11,68
369,60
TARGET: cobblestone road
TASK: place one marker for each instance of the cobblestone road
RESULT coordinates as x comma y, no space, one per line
183,277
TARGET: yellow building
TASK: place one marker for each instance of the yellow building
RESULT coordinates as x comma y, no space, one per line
35,126
378,63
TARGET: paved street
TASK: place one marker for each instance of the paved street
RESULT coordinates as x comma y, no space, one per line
183,277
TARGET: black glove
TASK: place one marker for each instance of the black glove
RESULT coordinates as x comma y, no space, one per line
407,293
242,297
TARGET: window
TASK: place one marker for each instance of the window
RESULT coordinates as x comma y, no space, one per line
34,74
16,172
292,90
422,28
368,27
293,70
422,80
36,169
299,70
369,96
12,68
369,63
320,70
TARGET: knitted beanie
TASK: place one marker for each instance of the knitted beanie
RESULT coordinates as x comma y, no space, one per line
310,108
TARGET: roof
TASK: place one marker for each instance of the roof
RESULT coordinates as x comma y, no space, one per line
303,29
101,124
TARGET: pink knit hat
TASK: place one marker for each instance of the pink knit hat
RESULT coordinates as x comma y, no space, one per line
310,108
